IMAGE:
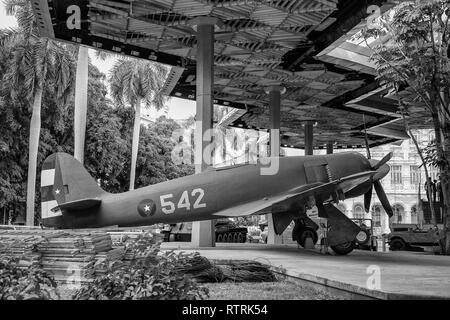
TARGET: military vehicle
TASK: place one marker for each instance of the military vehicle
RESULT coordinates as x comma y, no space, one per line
71,198
405,236
365,239
226,231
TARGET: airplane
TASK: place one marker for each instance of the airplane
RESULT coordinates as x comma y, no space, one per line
72,199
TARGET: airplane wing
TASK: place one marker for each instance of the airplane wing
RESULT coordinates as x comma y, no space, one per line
78,204
253,207
283,202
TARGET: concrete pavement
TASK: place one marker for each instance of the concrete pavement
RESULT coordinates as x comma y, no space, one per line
402,275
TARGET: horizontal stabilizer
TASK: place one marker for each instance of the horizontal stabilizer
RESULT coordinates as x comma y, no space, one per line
78,205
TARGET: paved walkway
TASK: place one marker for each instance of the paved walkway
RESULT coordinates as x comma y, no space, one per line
403,274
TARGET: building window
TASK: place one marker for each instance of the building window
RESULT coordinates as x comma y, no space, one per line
358,212
399,213
414,175
396,174
398,155
376,216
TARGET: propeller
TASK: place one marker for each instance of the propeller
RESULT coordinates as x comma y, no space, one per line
383,198
380,163
382,170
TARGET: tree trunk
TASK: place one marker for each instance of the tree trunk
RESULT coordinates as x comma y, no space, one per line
81,92
445,185
35,129
135,142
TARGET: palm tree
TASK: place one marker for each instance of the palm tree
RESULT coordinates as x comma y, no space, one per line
133,82
34,62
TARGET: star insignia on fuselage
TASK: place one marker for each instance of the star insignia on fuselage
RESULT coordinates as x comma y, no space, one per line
57,191
146,208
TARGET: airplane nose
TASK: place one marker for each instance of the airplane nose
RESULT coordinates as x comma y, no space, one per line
381,172
373,162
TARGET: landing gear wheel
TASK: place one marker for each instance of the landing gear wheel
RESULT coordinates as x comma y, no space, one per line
230,237
172,237
235,237
219,238
241,238
225,238
397,245
363,236
344,248
307,233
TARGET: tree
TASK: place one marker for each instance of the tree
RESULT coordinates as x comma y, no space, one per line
155,163
34,60
133,82
411,57
108,138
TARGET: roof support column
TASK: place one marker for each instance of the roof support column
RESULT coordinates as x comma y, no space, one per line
309,129
275,93
330,148
203,232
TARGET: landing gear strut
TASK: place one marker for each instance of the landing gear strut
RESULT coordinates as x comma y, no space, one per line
304,229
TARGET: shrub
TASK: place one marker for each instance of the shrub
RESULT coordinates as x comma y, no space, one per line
30,283
151,274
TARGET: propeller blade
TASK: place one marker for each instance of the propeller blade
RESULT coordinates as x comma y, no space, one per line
385,159
381,172
383,198
368,199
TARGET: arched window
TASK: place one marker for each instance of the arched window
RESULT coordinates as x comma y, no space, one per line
399,213
376,215
414,218
358,211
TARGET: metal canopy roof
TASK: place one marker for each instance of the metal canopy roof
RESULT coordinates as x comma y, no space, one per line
261,43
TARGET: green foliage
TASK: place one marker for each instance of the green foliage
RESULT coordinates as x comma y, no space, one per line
25,283
431,156
132,79
411,50
152,275
108,139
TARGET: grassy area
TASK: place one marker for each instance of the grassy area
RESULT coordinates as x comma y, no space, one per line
287,289
283,290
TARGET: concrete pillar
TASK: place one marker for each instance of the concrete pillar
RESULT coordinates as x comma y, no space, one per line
203,233
274,104
309,151
330,148
275,93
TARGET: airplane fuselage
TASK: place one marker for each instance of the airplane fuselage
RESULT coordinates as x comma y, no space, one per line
198,197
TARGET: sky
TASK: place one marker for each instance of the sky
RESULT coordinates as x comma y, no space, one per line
177,108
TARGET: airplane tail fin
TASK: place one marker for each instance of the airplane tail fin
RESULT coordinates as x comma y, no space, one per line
66,185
